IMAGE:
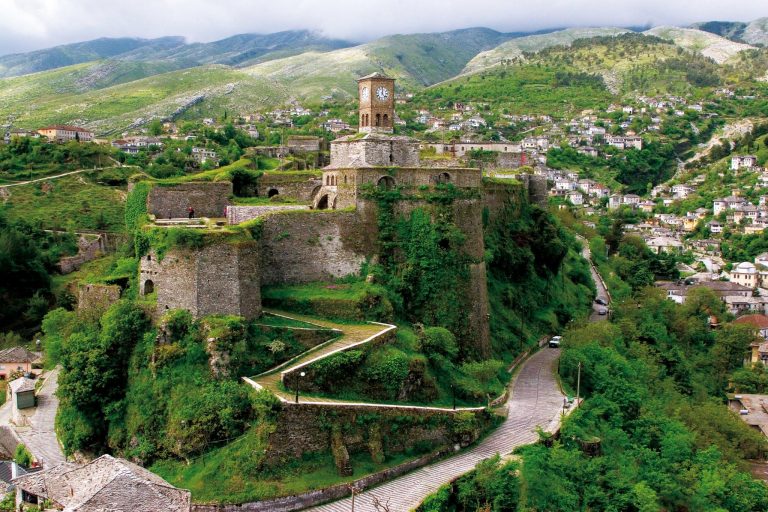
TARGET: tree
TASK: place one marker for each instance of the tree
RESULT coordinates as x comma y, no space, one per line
731,347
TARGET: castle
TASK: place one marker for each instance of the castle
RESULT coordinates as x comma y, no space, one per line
333,235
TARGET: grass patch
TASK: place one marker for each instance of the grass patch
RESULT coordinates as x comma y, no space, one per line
228,474
70,203
341,300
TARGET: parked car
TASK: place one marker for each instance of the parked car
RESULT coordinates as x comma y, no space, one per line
555,341
600,301
602,311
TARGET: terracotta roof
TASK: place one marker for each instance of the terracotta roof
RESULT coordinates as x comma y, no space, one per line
757,321
17,355
106,483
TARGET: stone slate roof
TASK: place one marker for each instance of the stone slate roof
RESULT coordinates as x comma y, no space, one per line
22,384
106,483
377,74
17,355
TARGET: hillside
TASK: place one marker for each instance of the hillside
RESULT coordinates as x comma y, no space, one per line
66,55
416,60
709,45
515,48
756,32
240,50
174,52
49,97
587,74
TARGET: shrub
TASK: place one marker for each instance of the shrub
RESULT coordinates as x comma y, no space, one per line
438,340
387,369
22,456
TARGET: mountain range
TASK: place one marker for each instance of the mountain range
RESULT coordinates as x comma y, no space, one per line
115,84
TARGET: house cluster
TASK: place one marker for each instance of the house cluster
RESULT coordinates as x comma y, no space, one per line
54,133
577,191
132,145
740,215
738,299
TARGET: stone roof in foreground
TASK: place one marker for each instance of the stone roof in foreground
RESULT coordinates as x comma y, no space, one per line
106,483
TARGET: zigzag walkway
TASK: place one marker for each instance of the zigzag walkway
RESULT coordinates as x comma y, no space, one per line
536,401
351,335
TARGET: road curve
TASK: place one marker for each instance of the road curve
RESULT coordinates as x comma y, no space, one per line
536,401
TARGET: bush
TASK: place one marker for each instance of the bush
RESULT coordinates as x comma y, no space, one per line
22,456
438,340
386,370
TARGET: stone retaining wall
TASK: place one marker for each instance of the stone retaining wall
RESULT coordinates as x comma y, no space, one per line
237,214
318,497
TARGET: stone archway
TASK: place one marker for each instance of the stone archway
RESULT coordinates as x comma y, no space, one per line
148,287
322,204
386,183
443,178
272,192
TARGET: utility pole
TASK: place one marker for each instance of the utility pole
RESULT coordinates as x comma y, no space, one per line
578,383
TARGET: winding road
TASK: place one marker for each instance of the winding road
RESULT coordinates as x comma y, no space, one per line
536,401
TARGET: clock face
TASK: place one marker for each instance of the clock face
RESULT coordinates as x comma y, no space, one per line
382,93
364,93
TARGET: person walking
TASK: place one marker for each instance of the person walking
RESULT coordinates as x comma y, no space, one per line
191,212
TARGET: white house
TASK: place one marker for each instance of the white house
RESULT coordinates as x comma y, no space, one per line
741,161
745,274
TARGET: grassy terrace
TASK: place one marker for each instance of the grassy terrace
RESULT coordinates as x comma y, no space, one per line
72,202
222,475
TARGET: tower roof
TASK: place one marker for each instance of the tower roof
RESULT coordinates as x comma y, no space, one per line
375,75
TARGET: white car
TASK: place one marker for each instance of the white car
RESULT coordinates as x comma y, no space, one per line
555,341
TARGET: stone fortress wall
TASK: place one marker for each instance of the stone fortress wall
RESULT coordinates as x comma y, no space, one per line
219,279
209,199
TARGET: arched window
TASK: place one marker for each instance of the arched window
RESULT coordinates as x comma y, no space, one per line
345,179
386,183
362,119
378,119
386,120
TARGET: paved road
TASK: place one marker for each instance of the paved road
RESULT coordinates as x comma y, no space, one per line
602,293
40,437
536,401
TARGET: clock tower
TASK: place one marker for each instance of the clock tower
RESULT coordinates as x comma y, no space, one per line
377,103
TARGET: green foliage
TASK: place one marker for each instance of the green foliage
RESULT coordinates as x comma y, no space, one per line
26,157
94,376
22,456
422,261
649,377
136,206
438,341
28,257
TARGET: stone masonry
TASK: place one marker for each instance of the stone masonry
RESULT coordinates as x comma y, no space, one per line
220,278
209,199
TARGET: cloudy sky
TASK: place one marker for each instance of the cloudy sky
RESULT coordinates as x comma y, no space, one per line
31,24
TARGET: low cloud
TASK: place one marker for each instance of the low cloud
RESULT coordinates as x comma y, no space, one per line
30,24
